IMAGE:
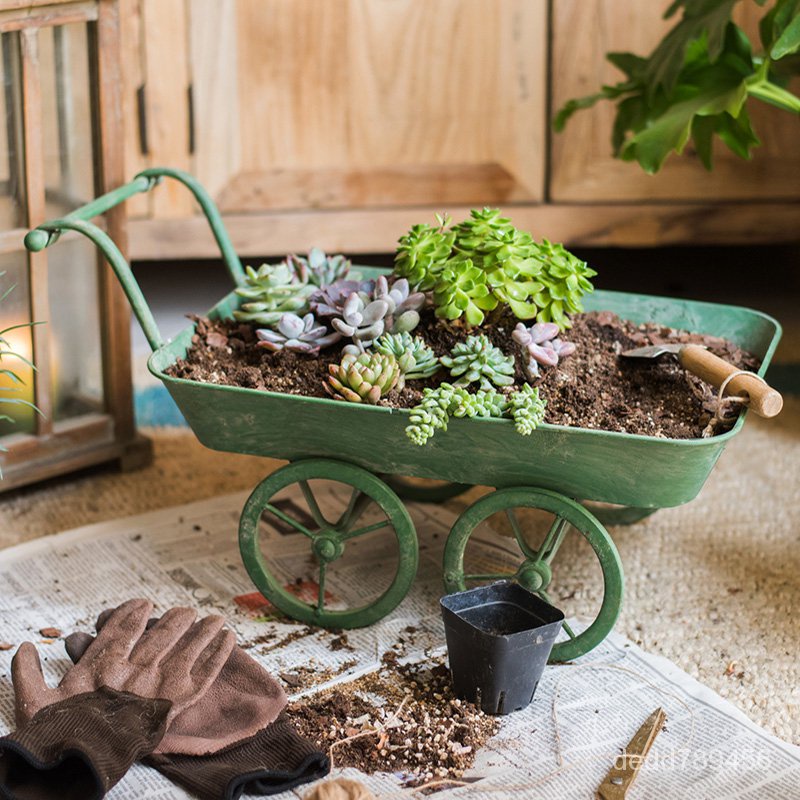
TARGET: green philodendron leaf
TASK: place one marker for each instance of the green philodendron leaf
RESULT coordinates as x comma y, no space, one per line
737,133
671,131
702,134
789,41
700,18
775,21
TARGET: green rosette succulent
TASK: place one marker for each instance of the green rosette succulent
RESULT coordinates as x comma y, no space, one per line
564,279
423,252
272,291
462,290
526,408
482,226
417,361
362,378
477,359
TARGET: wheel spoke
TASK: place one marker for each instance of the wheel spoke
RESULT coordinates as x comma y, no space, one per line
346,517
376,526
488,577
288,520
552,541
313,506
518,535
321,593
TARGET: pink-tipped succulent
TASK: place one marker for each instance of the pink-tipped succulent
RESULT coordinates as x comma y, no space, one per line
541,345
329,300
300,334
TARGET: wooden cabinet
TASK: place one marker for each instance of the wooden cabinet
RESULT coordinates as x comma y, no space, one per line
342,122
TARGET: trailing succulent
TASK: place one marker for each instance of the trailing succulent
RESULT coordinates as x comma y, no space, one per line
477,359
300,334
438,405
363,378
540,345
491,263
415,359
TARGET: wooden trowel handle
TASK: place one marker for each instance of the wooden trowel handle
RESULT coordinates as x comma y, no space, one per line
764,400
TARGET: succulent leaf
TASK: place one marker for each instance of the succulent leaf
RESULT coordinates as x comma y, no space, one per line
362,378
540,344
526,408
422,253
302,335
478,360
415,358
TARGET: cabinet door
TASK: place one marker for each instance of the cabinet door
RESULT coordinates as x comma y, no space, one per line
582,167
348,104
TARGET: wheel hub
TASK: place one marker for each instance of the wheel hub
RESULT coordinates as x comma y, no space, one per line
534,575
327,547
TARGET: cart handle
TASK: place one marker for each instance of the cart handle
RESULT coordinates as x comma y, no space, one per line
48,233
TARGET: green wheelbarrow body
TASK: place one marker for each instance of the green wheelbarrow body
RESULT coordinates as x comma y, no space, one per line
550,470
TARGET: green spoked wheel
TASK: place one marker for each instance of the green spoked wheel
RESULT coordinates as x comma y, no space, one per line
425,492
335,506
532,565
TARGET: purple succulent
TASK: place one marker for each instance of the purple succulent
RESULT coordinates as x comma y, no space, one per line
541,344
303,335
329,300
404,305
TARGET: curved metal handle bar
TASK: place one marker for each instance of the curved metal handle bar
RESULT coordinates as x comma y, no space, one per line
48,232
117,261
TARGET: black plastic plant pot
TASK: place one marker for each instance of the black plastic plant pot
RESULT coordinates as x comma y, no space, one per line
499,638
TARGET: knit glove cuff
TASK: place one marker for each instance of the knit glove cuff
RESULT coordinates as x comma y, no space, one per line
78,748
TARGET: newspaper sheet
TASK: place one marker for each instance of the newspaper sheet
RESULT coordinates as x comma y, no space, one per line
559,747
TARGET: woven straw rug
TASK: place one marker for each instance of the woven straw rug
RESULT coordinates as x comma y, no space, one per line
712,585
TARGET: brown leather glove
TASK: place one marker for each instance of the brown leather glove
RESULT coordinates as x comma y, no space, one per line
76,741
242,701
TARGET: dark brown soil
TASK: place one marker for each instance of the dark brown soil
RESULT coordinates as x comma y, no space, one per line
594,388
403,719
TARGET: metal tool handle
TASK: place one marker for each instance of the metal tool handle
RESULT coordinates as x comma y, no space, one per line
764,400
47,233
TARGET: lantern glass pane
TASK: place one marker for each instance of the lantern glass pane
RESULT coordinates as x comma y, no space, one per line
16,376
12,183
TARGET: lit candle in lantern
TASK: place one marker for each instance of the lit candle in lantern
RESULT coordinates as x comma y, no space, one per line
17,352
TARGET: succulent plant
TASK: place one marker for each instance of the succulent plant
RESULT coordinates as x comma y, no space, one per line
328,301
477,359
540,345
364,378
526,408
362,320
461,290
403,305
484,403
422,253
425,361
301,334
565,280
431,414
491,262
319,268
271,291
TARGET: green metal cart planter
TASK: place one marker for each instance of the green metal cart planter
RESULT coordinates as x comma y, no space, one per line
556,469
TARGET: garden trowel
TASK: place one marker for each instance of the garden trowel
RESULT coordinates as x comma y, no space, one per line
762,398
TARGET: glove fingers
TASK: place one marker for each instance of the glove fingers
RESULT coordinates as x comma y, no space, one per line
30,690
189,647
161,638
76,644
121,631
210,661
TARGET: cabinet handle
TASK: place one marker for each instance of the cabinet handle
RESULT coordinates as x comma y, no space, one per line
141,107
190,108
